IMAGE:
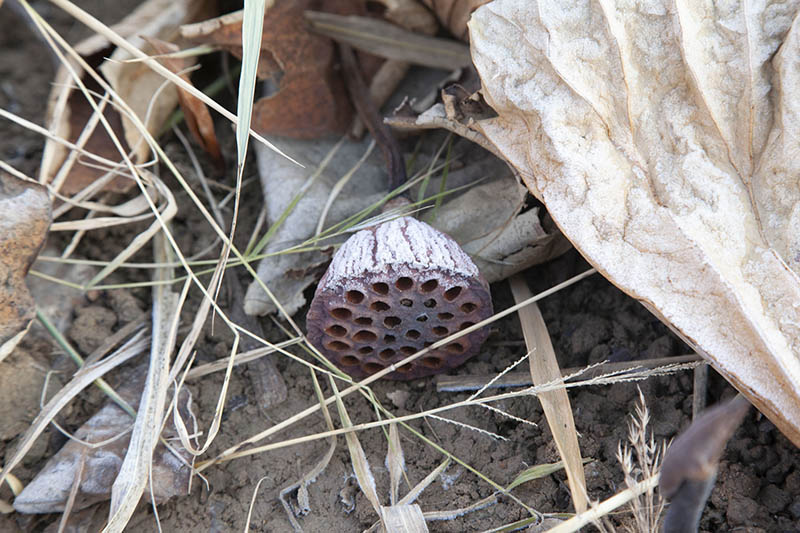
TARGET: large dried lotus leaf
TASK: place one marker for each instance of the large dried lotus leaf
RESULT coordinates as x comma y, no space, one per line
663,139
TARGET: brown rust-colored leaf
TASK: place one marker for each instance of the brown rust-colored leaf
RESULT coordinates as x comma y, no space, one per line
24,222
311,100
198,118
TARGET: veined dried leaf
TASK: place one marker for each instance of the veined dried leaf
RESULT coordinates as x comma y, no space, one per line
663,140
25,216
311,100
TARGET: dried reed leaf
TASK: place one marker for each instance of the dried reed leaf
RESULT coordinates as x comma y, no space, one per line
395,463
366,481
405,518
663,141
25,217
556,406
134,82
132,479
389,41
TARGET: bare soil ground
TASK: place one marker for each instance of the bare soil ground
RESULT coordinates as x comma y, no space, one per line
758,487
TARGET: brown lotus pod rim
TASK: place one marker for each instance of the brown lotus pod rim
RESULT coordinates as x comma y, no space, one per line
380,302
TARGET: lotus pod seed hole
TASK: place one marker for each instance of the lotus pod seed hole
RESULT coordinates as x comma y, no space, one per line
405,302
389,339
354,297
445,316
336,331
341,313
422,318
454,347
466,325
337,346
371,368
408,350
427,343
429,285
366,350
469,307
381,288
379,306
404,283
431,362
386,354
413,334
440,330
364,336
363,321
349,360
452,293
430,302
391,321
406,368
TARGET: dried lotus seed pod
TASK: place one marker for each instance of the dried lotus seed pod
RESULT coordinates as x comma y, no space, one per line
392,290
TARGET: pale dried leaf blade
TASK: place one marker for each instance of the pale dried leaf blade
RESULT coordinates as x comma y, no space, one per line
395,463
360,464
404,518
130,483
674,195
544,369
389,41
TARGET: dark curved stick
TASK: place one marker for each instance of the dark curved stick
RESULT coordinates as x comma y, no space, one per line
362,101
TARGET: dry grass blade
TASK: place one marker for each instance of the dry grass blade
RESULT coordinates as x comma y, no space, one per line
556,406
404,518
537,472
395,463
389,41
605,507
82,379
301,485
244,357
134,472
523,379
360,464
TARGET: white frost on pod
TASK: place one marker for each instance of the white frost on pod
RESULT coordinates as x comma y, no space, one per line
405,245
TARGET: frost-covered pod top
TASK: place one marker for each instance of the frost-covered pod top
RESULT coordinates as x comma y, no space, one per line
392,290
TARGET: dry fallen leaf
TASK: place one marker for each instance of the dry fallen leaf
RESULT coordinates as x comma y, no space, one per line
311,100
139,86
663,140
26,216
96,455
198,118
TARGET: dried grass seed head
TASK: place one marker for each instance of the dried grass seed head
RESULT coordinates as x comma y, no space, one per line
392,290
